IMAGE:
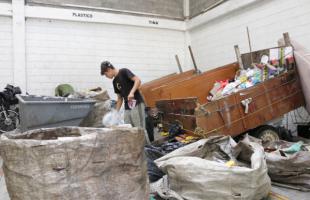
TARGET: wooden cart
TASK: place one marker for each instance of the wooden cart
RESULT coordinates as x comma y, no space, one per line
185,101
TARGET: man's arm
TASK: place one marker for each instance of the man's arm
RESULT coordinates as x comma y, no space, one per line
119,102
136,85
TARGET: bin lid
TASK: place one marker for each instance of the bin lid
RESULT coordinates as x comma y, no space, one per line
28,99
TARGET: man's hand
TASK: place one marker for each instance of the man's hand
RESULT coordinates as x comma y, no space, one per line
119,102
131,96
136,85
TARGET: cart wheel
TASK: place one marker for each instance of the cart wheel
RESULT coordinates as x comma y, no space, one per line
267,134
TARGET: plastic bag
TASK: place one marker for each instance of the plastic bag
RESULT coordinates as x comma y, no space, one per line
112,118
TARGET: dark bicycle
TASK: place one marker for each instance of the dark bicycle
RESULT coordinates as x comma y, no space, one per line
9,118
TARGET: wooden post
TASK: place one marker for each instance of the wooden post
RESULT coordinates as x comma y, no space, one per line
239,59
287,39
179,64
193,59
249,40
281,43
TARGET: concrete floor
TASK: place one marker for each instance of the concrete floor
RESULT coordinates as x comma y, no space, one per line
3,192
291,194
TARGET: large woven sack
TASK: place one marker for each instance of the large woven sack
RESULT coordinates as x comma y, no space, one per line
199,171
71,163
289,167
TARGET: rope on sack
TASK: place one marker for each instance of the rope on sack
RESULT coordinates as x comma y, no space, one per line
200,132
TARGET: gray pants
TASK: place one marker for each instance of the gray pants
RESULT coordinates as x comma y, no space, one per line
136,117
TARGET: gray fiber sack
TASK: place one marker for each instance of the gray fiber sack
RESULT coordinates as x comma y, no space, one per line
201,171
291,169
75,163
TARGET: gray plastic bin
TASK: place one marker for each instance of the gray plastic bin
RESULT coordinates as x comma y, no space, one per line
43,112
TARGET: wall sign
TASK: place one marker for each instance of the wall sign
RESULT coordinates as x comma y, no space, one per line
84,15
153,22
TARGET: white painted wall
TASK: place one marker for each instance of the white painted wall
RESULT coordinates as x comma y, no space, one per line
223,27
19,54
70,49
6,61
71,52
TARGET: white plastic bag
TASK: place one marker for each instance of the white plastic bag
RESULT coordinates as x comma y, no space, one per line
112,118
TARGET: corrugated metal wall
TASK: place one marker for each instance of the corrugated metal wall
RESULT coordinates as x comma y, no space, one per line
198,6
167,8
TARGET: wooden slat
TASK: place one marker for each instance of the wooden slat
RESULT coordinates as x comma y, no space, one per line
178,106
270,100
182,110
224,116
146,88
256,55
197,86
187,121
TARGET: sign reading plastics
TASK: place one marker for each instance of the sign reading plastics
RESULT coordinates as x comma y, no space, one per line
83,15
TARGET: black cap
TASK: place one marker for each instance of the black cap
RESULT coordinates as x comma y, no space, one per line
105,65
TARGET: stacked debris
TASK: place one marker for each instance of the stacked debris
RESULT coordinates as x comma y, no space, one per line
279,61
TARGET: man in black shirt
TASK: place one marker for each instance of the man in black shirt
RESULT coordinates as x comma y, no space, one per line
126,85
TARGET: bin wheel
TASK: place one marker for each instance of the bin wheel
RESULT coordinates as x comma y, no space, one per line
267,134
